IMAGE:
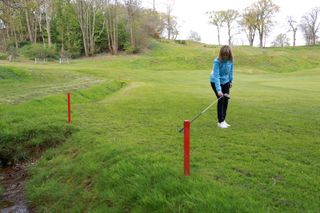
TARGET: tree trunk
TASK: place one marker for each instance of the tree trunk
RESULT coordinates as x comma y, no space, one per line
28,25
218,29
131,34
229,34
40,28
35,32
83,24
261,39
314,36
115,30
112,26
169,27
15,37
48,22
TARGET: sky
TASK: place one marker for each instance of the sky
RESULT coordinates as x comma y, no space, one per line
191,15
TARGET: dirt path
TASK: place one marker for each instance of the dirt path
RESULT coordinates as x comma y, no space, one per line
12,179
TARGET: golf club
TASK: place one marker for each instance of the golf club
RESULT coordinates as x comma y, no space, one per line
197,116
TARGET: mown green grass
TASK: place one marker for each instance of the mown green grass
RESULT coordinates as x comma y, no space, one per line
126,152
29,128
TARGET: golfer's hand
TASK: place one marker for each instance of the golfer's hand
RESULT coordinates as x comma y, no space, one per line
220,94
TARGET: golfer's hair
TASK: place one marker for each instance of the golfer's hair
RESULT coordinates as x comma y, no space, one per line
225,51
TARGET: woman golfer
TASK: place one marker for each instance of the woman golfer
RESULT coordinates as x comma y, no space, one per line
221,82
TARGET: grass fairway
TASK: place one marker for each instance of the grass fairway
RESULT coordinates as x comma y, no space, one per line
123,153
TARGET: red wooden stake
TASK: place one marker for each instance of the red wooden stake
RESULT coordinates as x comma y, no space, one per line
186,148
69,107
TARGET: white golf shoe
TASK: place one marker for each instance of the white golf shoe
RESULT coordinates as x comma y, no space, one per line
226,123
222,125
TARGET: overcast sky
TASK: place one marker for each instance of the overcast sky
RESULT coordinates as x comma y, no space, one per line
191,16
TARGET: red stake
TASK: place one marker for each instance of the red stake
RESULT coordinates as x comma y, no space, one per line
186,148
69,107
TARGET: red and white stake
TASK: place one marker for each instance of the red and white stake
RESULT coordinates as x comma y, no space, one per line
186,148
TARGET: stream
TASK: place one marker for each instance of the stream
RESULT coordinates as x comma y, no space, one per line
12,179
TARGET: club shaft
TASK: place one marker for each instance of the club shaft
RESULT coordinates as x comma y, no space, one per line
203,111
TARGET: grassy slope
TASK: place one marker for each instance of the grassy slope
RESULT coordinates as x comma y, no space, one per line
126,154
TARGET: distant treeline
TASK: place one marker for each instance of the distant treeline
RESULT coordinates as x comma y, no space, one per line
70,28
257,21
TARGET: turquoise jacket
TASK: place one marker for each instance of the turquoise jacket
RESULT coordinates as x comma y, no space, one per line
222,73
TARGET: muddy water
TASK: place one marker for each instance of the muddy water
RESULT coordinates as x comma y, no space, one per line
12,179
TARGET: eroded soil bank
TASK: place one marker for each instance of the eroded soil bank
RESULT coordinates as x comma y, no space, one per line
12,179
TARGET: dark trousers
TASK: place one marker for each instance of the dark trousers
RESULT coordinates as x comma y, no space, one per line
223,102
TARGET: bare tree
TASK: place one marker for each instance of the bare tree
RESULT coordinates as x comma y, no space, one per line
153,23
217,19
133,7
31,20
170,22
87,12
306,33
194,36
175,31
7,22
39,17
111,19
229,17
281,40
265,9
310,25
48,10
248,23
293,27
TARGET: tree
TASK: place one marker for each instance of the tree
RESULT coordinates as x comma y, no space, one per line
111,19
172,27
310,25
170,20
82,26
133,7
217,19
12,23
48,7
66,32
12,3
87,11
264,9
293,27
230,16
248,23
29,8
194,36
281,41
154,23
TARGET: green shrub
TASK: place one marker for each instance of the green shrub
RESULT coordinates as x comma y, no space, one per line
73,52
38,51
23,43
130,49
184,42
3,56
